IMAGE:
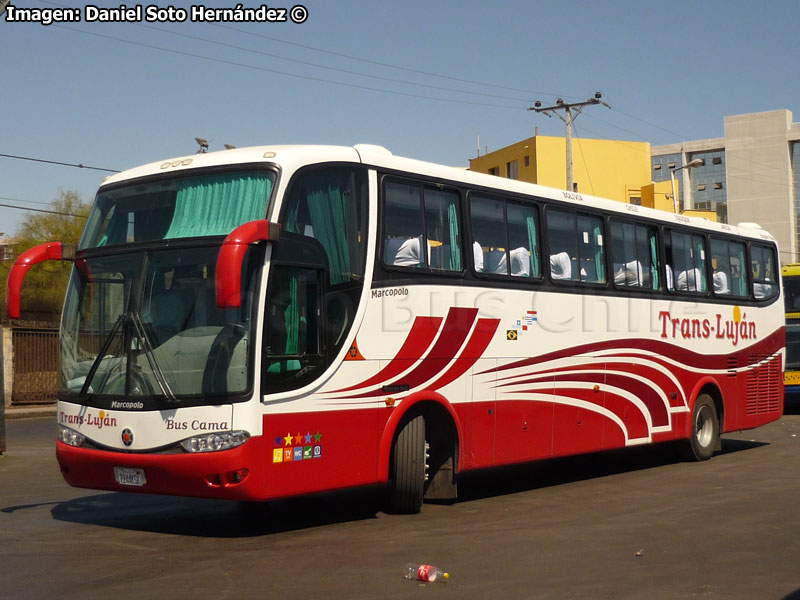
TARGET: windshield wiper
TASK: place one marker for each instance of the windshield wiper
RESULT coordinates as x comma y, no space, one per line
150,354
121,320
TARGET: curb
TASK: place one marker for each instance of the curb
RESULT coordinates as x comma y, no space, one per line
27,412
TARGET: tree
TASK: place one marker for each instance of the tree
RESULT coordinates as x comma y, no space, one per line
45,284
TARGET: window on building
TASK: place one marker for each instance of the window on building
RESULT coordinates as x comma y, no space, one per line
526,161
657,167
717,185
512,169
671,165
701,187
494,171
717,160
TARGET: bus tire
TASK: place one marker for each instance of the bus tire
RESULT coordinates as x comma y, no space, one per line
704,435
408,467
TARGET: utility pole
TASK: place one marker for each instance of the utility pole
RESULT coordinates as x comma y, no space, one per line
567,118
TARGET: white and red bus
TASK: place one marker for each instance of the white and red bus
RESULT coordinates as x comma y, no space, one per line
274,321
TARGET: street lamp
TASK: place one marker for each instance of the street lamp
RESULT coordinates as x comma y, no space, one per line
697,162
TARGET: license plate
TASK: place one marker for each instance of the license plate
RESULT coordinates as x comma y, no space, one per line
129,476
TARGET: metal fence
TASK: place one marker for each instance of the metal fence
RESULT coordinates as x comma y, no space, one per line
35,364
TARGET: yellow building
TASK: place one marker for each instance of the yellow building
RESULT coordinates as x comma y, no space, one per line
619,170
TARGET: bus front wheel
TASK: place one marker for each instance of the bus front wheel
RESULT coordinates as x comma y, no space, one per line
704,435
408,467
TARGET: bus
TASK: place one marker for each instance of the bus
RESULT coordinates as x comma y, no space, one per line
791,299
283,320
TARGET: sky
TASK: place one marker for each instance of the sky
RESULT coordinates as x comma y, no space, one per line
426,79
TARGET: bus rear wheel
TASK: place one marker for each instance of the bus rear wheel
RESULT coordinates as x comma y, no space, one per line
704,435
408,467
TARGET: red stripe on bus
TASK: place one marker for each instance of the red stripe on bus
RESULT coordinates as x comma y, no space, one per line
454,332
474,349
419,338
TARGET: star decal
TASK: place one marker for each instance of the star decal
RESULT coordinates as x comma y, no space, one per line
298,439
308,438
288,439
279,441
318,437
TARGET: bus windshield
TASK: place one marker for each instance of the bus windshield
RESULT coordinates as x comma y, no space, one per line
182,207
144,325
791,293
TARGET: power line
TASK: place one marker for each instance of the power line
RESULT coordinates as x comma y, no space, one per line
383,64
277,72
55,162
336,69
41,210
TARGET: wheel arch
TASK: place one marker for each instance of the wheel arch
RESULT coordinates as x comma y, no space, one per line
707,385
437,411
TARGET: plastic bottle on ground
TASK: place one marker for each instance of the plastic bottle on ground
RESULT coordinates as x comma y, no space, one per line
427,573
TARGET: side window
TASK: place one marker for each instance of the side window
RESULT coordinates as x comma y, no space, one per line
505,237
764,271
330,205
686,262
576,247
421,227
403,226
727,261
489,235
634,252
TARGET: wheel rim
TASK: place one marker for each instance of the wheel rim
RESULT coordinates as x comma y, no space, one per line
704,426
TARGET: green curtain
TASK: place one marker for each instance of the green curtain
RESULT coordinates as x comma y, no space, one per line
455,249
291,317
291,321
530,223
598,253
653,258
327,209
741,283
117,229
216,205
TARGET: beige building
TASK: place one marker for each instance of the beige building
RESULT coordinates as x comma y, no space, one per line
752,174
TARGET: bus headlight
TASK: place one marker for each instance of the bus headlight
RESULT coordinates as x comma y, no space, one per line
213,442
70,436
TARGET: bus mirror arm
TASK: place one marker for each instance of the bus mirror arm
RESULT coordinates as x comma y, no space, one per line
228,274
32,256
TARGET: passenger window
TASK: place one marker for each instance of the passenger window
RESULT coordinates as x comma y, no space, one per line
403,226
764,271
686,262
504,237
422,228
727,262
634,252
489,235
576,247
